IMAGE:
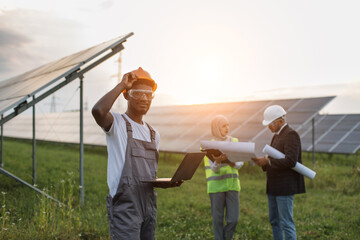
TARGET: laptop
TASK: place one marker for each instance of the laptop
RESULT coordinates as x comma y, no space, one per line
185,171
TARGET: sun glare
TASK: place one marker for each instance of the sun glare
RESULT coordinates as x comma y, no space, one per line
205,80
209,72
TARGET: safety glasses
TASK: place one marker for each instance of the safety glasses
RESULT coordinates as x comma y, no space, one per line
139,93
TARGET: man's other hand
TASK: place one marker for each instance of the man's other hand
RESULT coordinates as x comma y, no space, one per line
261,161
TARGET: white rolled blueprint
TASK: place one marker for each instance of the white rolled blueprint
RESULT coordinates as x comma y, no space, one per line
235,151
300,168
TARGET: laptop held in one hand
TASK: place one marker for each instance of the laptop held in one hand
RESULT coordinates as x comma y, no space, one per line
185,171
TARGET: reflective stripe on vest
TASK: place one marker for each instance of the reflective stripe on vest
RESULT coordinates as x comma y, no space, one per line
208,167
222,177
227,179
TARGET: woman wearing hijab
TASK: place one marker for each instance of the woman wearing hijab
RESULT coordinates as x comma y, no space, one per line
223,184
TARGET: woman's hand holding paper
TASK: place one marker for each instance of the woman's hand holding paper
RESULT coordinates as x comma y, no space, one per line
219,159
231,164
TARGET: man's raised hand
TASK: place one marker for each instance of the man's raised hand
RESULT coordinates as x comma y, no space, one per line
128,80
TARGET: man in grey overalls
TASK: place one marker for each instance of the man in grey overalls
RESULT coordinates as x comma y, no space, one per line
132,158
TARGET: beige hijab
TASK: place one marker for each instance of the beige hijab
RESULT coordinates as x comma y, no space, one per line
216,123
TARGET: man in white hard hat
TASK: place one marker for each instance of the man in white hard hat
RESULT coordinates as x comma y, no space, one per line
281,181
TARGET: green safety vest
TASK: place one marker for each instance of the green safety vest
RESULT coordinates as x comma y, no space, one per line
227,179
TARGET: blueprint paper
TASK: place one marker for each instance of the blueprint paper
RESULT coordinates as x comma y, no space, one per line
235,151
300,168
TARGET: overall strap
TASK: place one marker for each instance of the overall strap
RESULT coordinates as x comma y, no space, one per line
128,127
152,132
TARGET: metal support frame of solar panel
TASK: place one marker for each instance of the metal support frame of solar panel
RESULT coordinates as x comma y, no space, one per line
57,127
338,133
22,92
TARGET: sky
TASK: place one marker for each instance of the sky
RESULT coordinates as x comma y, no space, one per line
197,51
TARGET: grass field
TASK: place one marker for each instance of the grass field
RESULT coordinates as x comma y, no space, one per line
329,210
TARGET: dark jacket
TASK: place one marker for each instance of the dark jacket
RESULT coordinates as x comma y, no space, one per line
281,179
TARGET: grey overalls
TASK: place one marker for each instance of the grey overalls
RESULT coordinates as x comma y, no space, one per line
132,211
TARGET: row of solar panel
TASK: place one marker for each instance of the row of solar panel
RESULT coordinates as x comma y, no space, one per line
182,127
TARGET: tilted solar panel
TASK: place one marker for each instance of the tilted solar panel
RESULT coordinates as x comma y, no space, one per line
19,89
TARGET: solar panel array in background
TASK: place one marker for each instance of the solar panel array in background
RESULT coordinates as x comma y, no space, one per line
333,134
182,127
17,89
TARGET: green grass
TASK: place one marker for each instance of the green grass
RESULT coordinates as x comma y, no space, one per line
329,210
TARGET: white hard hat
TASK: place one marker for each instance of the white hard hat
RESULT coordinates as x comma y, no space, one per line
271,113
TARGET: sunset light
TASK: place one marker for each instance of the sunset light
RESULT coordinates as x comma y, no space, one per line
210,52
179,119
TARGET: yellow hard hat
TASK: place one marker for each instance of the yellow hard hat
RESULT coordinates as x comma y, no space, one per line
142,74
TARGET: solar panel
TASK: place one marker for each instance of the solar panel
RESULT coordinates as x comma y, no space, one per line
182,127
19,89
335,133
